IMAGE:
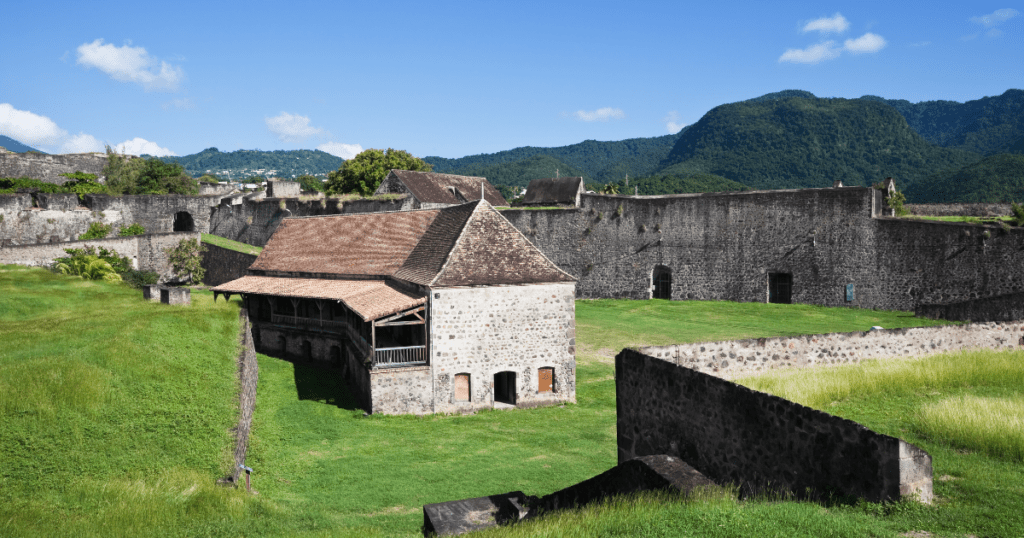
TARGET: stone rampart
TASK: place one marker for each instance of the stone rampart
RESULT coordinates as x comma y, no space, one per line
1006,307
726,246
224,265
48,168
396,391
732,434
248,376
735,358
959,210
145,251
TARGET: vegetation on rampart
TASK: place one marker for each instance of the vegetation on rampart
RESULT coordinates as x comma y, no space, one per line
230,244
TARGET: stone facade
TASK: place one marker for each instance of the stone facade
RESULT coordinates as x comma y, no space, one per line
147,252
48,168
1008,307
283,189
732,434
224,265
484,331
959,210
736,358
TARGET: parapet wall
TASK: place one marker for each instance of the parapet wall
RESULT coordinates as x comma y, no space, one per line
736,358
958,210
733,434
145,251
224,265
48,168
1006,307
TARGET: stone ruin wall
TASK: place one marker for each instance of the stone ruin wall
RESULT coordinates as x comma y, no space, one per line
722,247
731,359
147,252
48,168
760,442
959,210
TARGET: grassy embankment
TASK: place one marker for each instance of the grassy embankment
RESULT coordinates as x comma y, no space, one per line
141,457
229,244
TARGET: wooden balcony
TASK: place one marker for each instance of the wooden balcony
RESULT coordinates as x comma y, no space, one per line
393,357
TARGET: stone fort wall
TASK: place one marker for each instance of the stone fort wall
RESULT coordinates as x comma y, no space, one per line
48,168
145,251
723,246
760,442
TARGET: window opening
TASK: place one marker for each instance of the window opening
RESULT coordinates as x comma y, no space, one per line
462,388
546,380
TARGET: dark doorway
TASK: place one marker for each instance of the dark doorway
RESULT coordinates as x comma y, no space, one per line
335,356
661,283
780,288
183,222
307,350
505,387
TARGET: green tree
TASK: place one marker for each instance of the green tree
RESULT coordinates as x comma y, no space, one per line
133,175
363,173
310,183
122,172
97,230
186,260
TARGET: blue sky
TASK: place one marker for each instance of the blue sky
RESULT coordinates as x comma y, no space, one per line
452,79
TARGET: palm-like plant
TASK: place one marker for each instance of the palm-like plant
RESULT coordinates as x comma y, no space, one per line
88,268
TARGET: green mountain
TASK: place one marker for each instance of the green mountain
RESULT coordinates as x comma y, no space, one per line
997,178
799,142
603,162
986,126
672,184
245,163
520,173
11,144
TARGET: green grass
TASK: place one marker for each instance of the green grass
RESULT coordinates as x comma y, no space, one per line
994,426
613,324
970,220
115,417
229,244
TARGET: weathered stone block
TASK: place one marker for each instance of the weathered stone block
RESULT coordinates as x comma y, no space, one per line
151,293
178,296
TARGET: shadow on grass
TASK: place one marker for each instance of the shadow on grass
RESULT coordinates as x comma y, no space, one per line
323,384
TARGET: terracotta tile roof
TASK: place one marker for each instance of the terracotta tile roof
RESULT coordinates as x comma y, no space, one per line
490,251
371,299
433,188
366,244
464,245
562,190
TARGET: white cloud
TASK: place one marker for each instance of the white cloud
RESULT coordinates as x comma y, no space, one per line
837,25
998,16
291,127
866,43
345,151
672,122
82,143
601,114
811,55
28,128
141,146
131,64
182,104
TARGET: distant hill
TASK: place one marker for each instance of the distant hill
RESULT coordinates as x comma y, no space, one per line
998,178
245,163
603,162
520,173
671,184
799,142
986,126
13,145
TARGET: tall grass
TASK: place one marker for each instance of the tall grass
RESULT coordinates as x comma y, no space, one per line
819,387
994,426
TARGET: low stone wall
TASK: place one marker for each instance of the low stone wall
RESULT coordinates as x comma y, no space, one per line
1006,307
224,265
57,201
732,434
735,358
145,251
398,391
48,168
248,375
957,210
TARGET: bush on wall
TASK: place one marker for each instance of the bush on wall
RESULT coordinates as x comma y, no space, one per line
186,260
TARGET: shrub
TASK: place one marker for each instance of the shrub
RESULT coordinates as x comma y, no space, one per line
85,266
186,260
1018,214
97,230
138,279
119,264
134,229
618,211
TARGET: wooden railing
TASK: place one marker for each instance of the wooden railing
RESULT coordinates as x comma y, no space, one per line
399,356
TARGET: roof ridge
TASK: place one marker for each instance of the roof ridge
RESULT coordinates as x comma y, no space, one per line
458,239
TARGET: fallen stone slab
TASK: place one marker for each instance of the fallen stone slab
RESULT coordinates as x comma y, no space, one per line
458,517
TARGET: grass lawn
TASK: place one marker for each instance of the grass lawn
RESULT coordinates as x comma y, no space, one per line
230,244
970,220
115,417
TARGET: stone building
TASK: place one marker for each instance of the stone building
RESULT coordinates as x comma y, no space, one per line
431,310
429,190
554,191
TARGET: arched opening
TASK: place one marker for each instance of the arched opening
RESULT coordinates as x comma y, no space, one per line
307,350
183,222
282,346
661,282
505,387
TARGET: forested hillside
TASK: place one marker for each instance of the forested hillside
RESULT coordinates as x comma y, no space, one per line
800,142
11,144
988,125
244,163
673,184
602,162
520,173
998,178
